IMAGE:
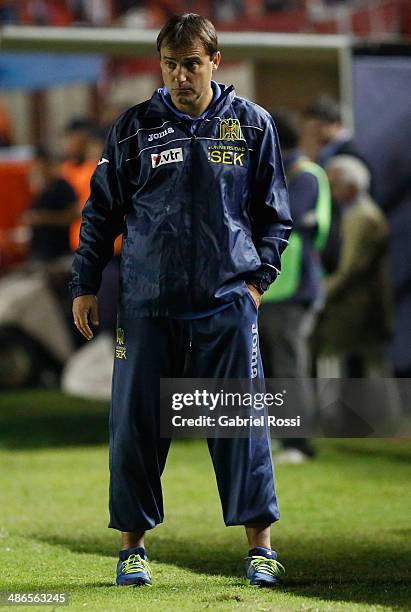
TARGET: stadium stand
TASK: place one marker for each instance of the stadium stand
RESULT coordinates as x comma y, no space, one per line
360,17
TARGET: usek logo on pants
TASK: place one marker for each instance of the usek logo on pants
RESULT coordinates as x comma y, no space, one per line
166,157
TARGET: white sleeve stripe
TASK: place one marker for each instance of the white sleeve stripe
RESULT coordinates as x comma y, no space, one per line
276,269
254,127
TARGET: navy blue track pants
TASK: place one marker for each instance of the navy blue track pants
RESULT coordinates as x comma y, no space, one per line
218,346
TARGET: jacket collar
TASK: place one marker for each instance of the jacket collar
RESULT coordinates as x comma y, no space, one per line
157,108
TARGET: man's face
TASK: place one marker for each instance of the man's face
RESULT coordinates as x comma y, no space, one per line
318,131
312,130
187,75
76,143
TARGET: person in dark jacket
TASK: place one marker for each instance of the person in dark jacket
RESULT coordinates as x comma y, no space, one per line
292,303
193,179
325,132
323,137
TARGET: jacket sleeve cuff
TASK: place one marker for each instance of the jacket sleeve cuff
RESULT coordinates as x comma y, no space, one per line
261,279
77,291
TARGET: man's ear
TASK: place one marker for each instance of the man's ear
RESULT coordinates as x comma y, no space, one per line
216,60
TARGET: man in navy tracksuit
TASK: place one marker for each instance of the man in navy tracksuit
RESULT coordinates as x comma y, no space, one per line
193,179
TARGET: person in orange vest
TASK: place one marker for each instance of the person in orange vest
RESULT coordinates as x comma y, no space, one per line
81,176
74,168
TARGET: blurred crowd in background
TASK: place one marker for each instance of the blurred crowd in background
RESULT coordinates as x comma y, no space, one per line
359,16
333,312
59,187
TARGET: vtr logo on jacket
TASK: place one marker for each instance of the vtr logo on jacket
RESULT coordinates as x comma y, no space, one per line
166,157
201,211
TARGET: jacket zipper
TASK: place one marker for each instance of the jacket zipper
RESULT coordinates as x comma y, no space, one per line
193,143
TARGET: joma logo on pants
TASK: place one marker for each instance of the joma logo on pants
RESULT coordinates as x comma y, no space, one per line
254,350
166,157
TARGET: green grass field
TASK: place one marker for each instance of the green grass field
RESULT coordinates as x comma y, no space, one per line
344,535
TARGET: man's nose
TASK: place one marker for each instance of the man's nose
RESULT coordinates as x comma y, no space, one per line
180,74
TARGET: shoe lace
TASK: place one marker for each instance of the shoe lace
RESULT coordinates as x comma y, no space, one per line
134,564
272,567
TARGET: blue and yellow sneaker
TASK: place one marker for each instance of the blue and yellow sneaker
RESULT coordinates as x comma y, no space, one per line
133,568
262,567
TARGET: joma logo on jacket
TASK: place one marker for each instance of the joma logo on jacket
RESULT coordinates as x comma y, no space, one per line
158,135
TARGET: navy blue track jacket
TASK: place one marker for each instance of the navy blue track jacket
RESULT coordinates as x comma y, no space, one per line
201,213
